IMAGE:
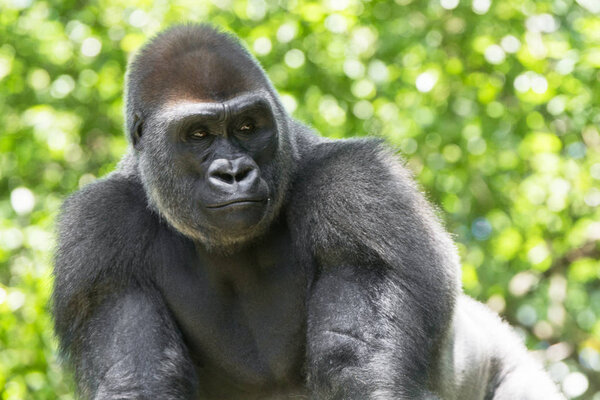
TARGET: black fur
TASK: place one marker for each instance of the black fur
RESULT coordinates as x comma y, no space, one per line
333,279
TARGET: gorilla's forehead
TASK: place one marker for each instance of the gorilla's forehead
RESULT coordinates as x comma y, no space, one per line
200,75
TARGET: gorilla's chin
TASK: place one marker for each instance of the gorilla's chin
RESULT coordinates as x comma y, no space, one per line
236,217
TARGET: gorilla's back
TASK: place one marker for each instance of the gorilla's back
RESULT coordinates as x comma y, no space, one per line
484,359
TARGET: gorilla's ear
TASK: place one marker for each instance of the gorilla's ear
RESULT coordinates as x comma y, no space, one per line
136,130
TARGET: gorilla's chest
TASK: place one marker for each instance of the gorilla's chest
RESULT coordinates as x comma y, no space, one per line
243,315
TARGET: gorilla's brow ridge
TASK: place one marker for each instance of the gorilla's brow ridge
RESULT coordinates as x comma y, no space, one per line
176,111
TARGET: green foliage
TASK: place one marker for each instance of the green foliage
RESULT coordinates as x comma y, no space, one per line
495,106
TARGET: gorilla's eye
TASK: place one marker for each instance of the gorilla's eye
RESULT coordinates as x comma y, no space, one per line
246,127
198,134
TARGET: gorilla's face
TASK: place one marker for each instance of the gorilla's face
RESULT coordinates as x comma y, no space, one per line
214,169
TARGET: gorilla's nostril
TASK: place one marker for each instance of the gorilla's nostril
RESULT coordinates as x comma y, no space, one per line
243,174
224,176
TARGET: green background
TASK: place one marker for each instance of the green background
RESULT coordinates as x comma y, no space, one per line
495,105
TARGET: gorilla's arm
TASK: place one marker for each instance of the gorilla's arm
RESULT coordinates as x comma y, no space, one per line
132,350
110,320
387,274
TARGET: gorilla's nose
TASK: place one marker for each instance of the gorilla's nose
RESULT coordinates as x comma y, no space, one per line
233,175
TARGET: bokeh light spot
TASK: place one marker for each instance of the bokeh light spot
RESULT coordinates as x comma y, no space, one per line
22,200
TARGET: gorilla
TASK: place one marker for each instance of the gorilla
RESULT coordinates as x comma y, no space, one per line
235,254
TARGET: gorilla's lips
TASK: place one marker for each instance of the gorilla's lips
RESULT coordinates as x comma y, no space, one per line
236,202
237,214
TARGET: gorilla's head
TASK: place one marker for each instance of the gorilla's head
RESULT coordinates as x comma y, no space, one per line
210,136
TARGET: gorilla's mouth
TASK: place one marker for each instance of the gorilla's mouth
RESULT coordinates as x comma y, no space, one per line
236,202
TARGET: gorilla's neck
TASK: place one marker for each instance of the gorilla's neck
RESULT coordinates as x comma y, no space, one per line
128,165
251,256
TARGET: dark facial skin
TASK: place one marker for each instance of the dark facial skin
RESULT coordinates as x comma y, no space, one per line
220,152
222,146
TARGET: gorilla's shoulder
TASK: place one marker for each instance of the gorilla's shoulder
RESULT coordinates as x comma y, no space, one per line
105,204
347,159
105,219
346,172
352,191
